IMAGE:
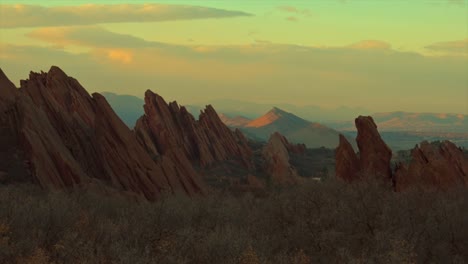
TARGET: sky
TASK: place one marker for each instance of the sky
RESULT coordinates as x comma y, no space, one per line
374,54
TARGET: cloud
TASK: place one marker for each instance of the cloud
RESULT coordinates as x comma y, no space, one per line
13,16
292,18
119,55
90,36
382,80
295,11
457,47
457,2
370,45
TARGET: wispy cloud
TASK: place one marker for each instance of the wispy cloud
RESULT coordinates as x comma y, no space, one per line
292,18
370,45
13,16
89,36
263,71
295,12
457,47
457,2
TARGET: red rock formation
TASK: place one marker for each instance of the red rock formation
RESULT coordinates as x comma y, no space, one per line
8,92
72,139
276,156
432,166
374,155
168,127
347,162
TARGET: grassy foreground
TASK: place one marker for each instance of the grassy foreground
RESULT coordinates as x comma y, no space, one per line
318,222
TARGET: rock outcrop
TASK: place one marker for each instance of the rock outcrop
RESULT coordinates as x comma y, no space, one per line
433,166
276,158
71,138
374,155
347,162
170,127
8,91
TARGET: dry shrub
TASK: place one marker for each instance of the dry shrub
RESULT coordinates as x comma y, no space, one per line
317,222
249,256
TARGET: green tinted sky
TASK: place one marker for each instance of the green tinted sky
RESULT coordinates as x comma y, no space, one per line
380,48
407,25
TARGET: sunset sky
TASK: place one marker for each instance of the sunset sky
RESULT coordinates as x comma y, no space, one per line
374,54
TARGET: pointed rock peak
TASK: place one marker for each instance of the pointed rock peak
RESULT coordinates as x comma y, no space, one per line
278,139
7,88
365,121
277,136
209,111
151,94
347,162
57,73
152,98
209,108
375,155
343,139
99,98
276,156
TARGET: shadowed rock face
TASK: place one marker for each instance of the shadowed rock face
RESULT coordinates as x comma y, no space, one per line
347,162
374,155
276,156
71,138
8,90
168,127
433,166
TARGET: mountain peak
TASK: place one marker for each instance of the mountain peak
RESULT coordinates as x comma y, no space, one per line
276,115
277,110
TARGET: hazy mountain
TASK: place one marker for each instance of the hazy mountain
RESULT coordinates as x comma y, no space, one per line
247,109
128,107
294,128
236,121
414,122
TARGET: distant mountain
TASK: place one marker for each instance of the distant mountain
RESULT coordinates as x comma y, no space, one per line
247,109
296,129
128,107
236,121
414,122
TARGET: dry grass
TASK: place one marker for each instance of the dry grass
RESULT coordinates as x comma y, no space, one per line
319,222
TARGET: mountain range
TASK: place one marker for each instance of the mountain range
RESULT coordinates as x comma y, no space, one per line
296,129
414,122
401,130
129,108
